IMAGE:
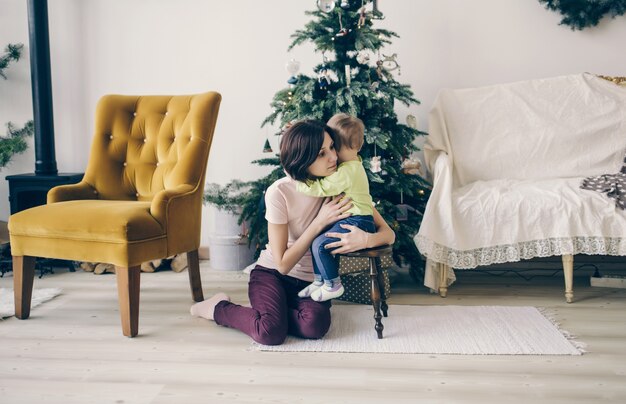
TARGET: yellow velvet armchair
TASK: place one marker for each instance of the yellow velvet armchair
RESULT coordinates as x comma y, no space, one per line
140,198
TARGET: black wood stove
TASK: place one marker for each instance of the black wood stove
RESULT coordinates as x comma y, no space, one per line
29,190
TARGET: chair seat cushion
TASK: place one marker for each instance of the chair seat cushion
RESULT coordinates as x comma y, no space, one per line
489,222
89,220
500,212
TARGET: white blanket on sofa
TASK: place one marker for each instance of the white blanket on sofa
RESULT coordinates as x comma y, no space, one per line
507,163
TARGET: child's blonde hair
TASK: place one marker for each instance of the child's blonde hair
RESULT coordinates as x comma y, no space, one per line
350,130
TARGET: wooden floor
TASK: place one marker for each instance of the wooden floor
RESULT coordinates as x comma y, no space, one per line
71,350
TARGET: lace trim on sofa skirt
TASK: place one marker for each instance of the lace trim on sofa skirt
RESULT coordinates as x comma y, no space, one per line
468,259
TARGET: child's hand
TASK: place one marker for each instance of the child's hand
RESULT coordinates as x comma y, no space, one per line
334,209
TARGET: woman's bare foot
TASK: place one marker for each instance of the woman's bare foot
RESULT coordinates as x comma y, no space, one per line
205,309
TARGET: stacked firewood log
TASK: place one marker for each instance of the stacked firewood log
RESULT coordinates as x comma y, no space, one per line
177,263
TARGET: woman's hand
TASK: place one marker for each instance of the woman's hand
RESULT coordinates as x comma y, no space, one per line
356,239
333,209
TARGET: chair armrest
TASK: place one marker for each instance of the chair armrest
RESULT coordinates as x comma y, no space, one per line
72,192
179,199
442,170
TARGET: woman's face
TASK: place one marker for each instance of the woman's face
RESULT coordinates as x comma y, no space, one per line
326,162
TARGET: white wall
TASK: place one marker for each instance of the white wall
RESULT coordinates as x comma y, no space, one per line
239,49
15,93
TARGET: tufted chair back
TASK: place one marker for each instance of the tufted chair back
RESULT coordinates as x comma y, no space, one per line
143,145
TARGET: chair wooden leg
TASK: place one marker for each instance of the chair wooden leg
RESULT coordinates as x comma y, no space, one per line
443,279
128,291
376,299
568,274
381,287
23,276
194,276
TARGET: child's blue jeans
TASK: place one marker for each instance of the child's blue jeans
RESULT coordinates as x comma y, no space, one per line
324,263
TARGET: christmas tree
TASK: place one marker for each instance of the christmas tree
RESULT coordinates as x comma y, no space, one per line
14,142
354,76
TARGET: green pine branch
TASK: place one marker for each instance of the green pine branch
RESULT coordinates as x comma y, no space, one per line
12,53
321,31
15,140
580,14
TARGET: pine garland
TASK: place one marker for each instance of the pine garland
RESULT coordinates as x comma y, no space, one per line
14,142
580,14
370,96
12,53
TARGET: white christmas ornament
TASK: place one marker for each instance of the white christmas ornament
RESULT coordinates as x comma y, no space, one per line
293,67
333,76
375,164
363,57
326,5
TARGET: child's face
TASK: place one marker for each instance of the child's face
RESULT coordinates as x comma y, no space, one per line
326,162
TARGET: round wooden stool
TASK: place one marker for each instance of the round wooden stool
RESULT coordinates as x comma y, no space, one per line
379,300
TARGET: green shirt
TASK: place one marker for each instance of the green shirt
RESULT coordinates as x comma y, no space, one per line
351,179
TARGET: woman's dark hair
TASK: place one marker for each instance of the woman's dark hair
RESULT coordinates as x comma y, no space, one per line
300,146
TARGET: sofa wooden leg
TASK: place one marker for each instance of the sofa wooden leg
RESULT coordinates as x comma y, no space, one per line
128,291
568,273
194,276
443,280
23,275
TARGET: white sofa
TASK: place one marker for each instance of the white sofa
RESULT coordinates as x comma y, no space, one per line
507,164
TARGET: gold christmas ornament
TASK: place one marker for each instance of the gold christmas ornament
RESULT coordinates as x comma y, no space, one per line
412,166
390,63
411,121
362,18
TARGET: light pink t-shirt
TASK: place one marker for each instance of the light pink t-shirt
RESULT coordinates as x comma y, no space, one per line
284,204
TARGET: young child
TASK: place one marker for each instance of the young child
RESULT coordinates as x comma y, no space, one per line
351,179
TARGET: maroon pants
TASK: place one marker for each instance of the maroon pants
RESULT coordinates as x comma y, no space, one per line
276,310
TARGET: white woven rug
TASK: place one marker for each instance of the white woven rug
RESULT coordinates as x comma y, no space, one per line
7,304
460,330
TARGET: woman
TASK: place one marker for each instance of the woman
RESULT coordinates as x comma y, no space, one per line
285,267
